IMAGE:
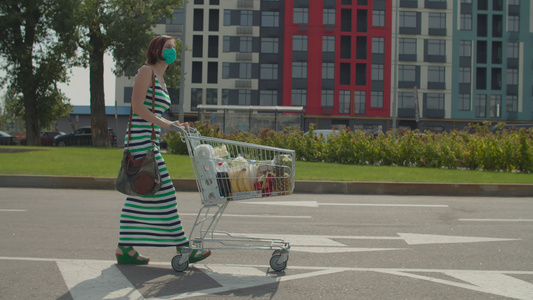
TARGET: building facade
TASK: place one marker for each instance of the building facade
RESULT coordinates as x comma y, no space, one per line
362,64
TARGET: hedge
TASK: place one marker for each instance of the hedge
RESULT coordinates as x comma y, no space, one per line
475,148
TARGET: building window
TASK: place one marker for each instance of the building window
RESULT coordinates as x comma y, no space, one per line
360,74
268,98
196,76
327,98
378,18
245,97
213,19
405,100
406,73
512,103
464,102
464,75
465,48
512,50
245,71
466,22
481,106
301,16
198,20
212,72
226,44
246,18
359,101
299,42
196,98
270,19
269,71
211,96
436,47
329,16
328,43
245,44
513,23
437,20
328,70
377,72
299,69
299,97
225,70
378,45
495,106
269,45
344,102
436,75
408,19
407,46
376,99
512,76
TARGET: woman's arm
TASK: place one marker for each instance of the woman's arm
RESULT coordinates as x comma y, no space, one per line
142,82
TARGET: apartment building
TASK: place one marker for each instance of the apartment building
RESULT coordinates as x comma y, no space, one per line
362,64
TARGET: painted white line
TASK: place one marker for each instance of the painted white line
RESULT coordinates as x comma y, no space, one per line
409,238
496,220
13,210
255,216
316,204
425,239
91,279
339,249
385,205
96,280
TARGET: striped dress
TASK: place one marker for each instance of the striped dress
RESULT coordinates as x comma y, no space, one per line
151,220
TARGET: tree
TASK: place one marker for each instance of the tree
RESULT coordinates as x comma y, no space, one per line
125,28
37,42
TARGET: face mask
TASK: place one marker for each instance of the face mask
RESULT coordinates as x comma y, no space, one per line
169,55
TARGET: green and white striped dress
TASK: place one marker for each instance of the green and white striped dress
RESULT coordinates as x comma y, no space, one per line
151,220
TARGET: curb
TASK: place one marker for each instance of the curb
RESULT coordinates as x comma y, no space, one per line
301,186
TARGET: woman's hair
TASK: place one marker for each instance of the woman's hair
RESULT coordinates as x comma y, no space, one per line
154,49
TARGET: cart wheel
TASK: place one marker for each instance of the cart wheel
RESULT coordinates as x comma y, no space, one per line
275,263
176,264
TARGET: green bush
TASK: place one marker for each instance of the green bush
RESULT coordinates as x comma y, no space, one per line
475,148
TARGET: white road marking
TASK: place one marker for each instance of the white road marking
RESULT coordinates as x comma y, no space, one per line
409,238
316,204
96,280
339,249
424,239
255,216
13,210
496,220
92,279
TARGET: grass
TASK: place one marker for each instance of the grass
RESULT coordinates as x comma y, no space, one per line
102,162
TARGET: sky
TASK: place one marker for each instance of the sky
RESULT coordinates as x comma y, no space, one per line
78,88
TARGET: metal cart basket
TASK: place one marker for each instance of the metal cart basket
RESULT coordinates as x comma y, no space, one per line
226,171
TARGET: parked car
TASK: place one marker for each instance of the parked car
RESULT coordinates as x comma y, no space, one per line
7,139
47,138
81,137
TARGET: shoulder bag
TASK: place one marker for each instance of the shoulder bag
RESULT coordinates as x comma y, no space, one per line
139,177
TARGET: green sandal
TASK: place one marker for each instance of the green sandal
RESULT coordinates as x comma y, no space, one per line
197,255
125,258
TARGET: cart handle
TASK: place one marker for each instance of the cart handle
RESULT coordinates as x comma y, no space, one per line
183,131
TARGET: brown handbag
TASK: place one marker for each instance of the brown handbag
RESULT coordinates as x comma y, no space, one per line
139,177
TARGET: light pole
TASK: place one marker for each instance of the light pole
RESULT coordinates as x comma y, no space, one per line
395,75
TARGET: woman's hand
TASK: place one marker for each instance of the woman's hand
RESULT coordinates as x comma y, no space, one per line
184,124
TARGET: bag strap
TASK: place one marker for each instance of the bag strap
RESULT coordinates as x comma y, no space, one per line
153,111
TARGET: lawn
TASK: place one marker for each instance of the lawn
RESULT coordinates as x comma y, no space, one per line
101,162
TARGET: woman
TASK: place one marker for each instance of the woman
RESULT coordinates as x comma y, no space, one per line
153,220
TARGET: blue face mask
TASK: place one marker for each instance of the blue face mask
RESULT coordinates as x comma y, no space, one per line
169,55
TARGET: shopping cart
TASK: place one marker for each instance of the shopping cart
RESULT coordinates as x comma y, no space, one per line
226,171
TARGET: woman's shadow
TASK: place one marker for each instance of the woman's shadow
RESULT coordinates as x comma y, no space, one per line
153,281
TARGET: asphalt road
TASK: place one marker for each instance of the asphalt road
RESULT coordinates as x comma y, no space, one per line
59,244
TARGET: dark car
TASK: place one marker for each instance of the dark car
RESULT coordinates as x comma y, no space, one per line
81,137
47,138
7,139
